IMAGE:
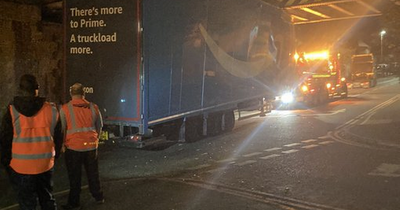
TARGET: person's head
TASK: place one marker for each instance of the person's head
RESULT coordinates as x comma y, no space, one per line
77,91
28,85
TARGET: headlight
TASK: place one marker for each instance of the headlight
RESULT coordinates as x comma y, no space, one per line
328,85
287,98
304,88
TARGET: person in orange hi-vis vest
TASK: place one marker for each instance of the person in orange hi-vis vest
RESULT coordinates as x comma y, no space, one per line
82,123
30,139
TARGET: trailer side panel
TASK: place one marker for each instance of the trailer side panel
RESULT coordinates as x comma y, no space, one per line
203,55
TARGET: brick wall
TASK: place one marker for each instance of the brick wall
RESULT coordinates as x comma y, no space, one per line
29,45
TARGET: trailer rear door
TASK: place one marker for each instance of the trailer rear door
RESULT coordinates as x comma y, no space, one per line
103,52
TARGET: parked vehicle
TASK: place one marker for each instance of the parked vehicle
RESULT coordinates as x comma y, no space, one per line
170,67
381,70
363,73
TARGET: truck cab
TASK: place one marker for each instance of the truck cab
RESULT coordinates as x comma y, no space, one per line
363,72
320,78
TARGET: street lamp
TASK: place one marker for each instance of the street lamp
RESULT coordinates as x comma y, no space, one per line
382,33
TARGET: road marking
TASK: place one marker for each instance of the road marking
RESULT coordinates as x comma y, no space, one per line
269,156
278,201
386,169
246,162
252,154
375,122
309,141
369,113
226,160
200,167
272,149
291,145
310,146
332,112
327,142
290,151
215,170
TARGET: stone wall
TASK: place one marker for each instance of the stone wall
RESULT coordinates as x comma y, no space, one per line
29,45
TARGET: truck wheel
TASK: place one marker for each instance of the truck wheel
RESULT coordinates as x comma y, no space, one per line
346,93
324,97
229,121
316,99
214,124
310,101
172,131
193,129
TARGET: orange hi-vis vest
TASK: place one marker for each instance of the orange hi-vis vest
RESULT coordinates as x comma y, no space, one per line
33,147
80,117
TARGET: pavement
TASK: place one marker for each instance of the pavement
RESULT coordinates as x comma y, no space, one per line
381,129
384,134
171,194
139,179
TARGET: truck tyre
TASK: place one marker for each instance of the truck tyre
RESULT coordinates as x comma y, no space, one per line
229,121
193,129
316,99
172,131
310,100
214,124
324,97
346,93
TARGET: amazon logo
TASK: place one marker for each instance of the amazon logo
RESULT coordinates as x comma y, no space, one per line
88,89
244,69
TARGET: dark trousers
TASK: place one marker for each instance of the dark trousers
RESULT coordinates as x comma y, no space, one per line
74,161
30,188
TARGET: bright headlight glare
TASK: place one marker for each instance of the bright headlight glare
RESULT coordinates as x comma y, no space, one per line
304,88
287,98
328,85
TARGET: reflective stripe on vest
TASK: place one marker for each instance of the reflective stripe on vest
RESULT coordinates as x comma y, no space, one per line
31,139
29,157
75,128
76,139
33,147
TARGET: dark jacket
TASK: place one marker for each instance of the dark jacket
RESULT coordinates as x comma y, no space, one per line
28,106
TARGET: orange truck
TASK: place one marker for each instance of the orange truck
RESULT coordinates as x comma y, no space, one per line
320,79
